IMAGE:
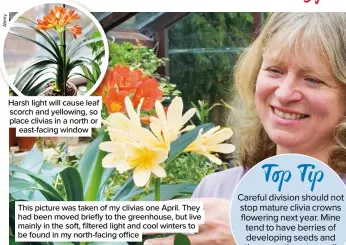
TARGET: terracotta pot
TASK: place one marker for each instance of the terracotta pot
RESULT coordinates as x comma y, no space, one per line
12,137
26,143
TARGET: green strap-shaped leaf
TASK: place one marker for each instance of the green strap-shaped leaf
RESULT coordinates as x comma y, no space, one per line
19,196
43,34
38,89
181,239
179,145
50,170
90,168
36,77
73,51
12,227
29,77
12,214
32,162
134,192
34,60
36,42
34,65
20,185
13,242
16,185
105,176
126,188
170,191
89,78
84,61
100,54
46,186
73,184
12,208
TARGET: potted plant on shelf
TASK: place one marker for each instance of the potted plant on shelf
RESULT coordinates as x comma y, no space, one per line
49,75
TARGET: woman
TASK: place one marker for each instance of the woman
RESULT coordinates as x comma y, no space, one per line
291,83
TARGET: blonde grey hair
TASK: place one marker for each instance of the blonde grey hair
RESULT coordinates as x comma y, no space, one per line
324,33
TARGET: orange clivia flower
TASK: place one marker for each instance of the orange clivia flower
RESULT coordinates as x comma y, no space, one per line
75,30
120,82
150,91
58,18
70,16
108,82
126,79
115,101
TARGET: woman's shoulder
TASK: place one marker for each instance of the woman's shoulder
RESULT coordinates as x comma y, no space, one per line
221,184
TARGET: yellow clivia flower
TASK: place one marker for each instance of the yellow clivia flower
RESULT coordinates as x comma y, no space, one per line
211,141
142,155
119,126
168,127
133,147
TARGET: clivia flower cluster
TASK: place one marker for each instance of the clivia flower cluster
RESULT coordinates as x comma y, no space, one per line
58,18
121,82
146,150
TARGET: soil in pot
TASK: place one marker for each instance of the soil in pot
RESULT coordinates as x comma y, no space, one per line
71,90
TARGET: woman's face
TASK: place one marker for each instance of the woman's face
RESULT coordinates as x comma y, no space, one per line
299,103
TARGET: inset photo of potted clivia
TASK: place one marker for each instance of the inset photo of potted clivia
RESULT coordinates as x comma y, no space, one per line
54,49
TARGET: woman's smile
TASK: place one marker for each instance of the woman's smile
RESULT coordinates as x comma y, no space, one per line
284,119
287,114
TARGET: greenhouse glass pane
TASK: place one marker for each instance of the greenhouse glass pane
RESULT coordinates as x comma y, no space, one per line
134,23
139,20
202,49
143,19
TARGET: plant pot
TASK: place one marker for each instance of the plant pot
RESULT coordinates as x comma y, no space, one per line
12,137
71,90
26,143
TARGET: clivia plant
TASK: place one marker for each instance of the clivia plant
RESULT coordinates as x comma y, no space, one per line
49,74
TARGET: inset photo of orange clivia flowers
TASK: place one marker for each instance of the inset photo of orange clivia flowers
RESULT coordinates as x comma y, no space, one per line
55,49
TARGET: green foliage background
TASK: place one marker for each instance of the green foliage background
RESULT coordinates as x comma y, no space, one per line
203,48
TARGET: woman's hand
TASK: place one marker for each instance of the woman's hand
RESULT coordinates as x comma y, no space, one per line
216,229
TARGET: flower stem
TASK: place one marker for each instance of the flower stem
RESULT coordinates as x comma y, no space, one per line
60,82
64,56
157,189
61,42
